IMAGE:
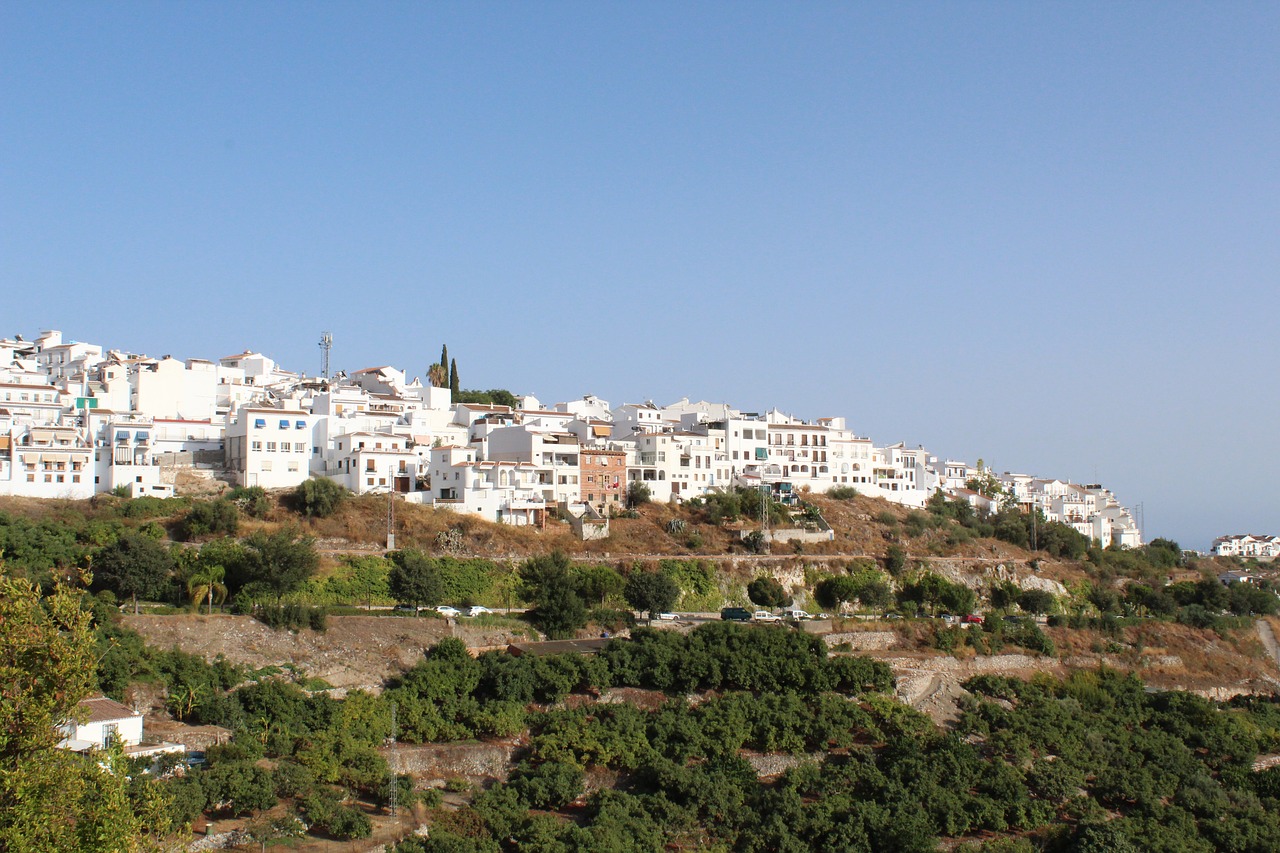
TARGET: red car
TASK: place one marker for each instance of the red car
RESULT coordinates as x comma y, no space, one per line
971,619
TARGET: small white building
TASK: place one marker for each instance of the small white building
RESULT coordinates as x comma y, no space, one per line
102,723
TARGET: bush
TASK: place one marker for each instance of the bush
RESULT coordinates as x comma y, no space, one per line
219,517
319,497
842,493
251,500
346,823
292,617
895,560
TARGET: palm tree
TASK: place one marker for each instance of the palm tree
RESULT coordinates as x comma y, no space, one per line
206,582
438,375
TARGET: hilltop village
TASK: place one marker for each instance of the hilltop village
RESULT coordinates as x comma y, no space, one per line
77,419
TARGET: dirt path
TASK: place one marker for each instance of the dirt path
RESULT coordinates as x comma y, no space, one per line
1268,638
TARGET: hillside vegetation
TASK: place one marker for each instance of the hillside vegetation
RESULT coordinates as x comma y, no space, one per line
723,736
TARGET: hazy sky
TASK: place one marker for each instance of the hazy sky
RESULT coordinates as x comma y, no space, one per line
1044,234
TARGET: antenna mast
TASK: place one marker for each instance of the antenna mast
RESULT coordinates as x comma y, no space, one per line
326,344
394,794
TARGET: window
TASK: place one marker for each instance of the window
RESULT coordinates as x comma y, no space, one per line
266,465
271,446
293,466
300,425
260,423
257,445
284,424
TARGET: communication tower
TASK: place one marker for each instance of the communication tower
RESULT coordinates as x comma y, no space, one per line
326,344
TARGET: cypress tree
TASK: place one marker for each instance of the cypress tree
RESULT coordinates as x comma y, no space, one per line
444,357
453,378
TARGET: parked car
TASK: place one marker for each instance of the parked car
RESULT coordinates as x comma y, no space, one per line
446,610
948,618
765,616
823,616
405,608
477,609
972,619
667,617
796,615
195,758
735,614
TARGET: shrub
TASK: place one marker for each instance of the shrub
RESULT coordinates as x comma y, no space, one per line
842,493
319,497
292,617
251,500
219,517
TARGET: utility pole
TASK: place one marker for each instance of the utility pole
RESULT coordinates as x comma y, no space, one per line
394,796
391,507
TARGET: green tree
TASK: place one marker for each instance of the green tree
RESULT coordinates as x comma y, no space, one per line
767,592
134,565
206,582
600,583
281,562
549,584
415,578
319,497
53,799
650,592
1037,601
454,387
638,493
895,560
834,593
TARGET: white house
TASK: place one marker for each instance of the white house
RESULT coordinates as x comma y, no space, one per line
271,448
506,492
1247,545
101,723
555,455
125,455
373,462
44,461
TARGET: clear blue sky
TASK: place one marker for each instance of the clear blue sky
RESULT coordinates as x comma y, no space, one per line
1044,234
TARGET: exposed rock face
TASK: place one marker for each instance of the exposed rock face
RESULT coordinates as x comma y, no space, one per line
770,764
432,764
863,641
